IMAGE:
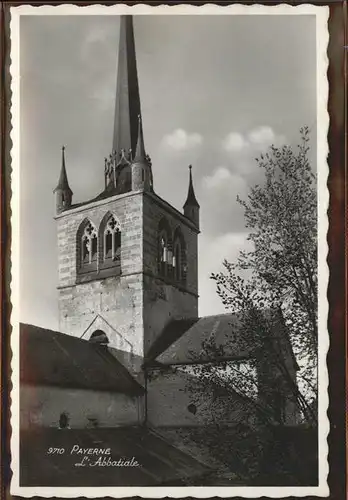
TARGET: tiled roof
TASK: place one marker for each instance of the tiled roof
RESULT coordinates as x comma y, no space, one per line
211,338
184,341
53,358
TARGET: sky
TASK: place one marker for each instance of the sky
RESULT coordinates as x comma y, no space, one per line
215,92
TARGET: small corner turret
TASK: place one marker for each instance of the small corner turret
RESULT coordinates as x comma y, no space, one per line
191,206
62,191
141,166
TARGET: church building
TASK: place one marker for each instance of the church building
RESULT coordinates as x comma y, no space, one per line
128,284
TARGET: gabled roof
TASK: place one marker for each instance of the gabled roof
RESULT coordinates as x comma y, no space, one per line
189,341
52,358
183,341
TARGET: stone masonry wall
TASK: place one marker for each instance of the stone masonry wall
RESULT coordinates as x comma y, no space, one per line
175,399
132,308
154,210
117,299
42,406
164,301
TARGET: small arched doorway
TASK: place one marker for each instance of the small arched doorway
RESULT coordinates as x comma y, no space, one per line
99,337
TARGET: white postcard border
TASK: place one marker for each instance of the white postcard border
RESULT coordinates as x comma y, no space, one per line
321,13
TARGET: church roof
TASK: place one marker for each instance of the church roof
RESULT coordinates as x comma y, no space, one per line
52,358
185,341
213,338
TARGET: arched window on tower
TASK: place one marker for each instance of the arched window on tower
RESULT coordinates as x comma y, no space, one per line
165,254
179,257
177,261
86,247
110,240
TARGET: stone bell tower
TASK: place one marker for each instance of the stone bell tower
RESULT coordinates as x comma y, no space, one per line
127,259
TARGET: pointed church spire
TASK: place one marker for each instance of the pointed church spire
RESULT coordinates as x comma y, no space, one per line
191,206
63,192
191,197
141,166
127,107
63,183
140,155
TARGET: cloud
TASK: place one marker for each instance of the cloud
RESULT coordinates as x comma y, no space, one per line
219,189
262,135
181,140
222,179
234,142
221,213
257,139
218,178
